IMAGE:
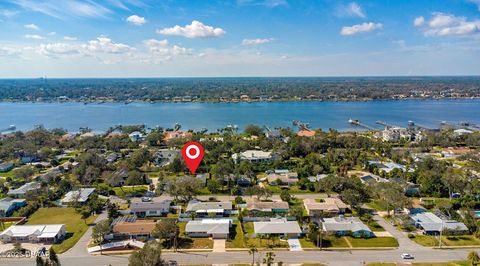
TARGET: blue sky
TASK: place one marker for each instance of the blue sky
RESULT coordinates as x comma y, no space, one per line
165,38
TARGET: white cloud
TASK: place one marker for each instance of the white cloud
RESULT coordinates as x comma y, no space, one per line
256,41
52,33
106,45
32,27
360,28
8,52
7,13
355,10
65,8
443,25
162,51
267,3
69,38
58,49
195,30
419,21
136,20
33,36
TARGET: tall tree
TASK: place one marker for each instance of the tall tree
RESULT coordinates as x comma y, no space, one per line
149,255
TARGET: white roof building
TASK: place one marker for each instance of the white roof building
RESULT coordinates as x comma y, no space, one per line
44,233
215,228
80,196
254,156
277,226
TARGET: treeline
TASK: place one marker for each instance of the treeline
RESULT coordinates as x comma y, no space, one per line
212,89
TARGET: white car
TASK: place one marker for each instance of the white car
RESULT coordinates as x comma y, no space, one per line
407,256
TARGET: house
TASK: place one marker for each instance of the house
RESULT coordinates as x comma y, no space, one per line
255,205
40,233
112,157
169,135
240,180
28,159
322,207
133,228
23,190
317,177
214,228
203,209
254,156
136,136
461,132
5,167
389,166
306,133
155,207
274,135
202,178
164,157
371,179
342,226
117,178
277,227
282,177
431,224
9,205
77,196
455,152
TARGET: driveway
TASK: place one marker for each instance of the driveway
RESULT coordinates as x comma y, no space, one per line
294,244
80,248
404,243
219,245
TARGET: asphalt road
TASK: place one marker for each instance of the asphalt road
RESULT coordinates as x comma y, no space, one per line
357,257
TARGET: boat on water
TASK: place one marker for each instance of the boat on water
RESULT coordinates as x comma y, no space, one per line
354,121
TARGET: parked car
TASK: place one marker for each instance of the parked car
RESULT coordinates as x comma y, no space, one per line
407,256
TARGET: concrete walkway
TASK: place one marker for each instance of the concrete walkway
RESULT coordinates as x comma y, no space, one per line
219,245
294,244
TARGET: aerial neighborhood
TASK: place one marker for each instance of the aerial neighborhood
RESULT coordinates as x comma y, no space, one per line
254,190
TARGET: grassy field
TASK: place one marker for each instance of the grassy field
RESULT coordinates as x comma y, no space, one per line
327,242
239,240
124,191
430,241
6,225
73,221
186,242
458,263
377,205
373,242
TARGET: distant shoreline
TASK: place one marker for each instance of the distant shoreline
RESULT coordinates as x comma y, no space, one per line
237,101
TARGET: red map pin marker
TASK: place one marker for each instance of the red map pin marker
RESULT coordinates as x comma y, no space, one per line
192,153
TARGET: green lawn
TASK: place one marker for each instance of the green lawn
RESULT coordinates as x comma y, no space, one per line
327,242
124,191
239,240
6,225
430,241
186,242
373,242
377,205
73,221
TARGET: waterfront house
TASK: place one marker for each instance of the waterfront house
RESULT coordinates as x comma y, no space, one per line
387,167
136,136
40,233
214,228
9,205
282,178
23,190
5,167
254,156
274,207
80,196
277,226
461,132
324,207
155,207
432,224
342,226
203,209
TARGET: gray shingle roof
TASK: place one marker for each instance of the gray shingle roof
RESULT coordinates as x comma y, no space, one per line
277,226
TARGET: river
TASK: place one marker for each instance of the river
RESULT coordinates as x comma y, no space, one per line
325,115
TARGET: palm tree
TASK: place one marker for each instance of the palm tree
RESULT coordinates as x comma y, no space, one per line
269,258
473,258
252,250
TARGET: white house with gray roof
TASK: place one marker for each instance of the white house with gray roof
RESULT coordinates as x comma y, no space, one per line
214,228
342,226
23,190
39,233
155,207
277,226
431,224
202,209
78,196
